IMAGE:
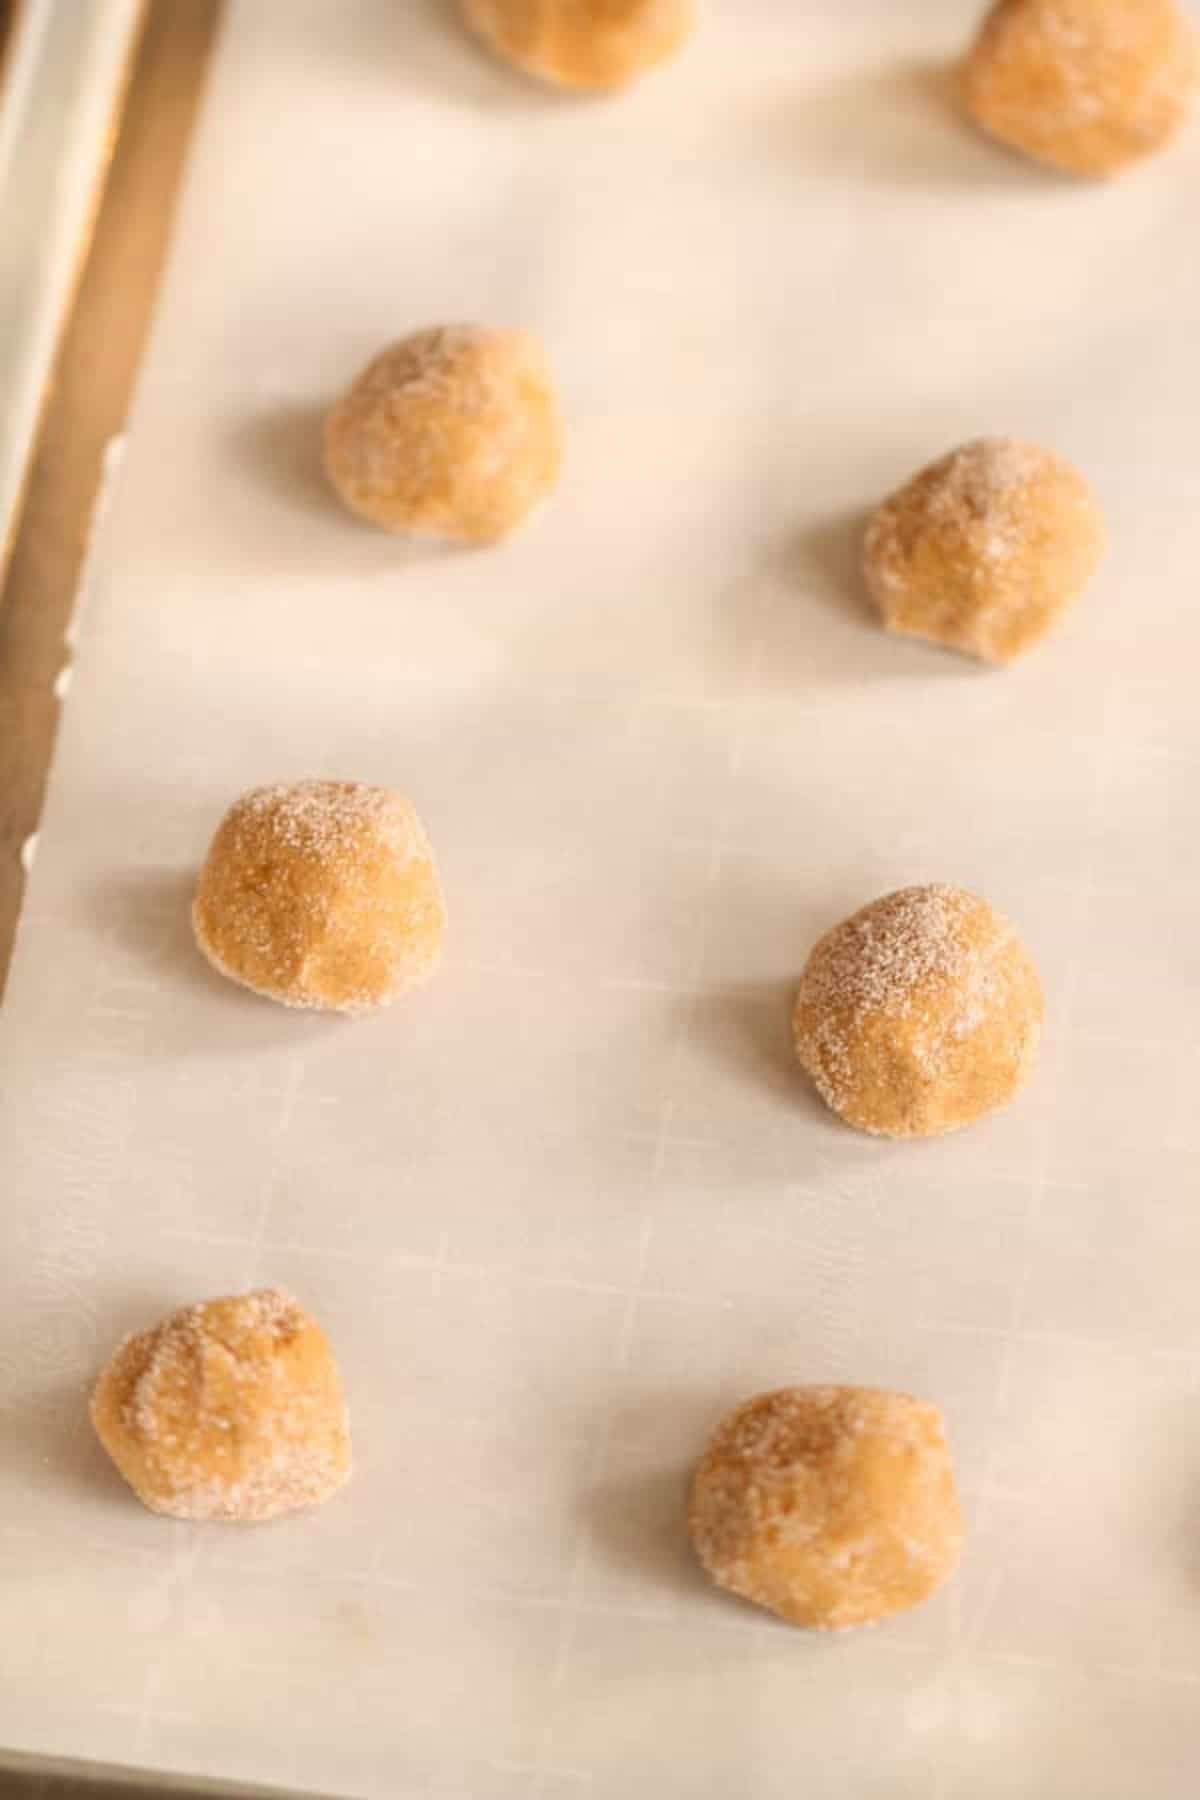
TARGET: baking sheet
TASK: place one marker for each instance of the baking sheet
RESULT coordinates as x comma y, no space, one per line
568,1203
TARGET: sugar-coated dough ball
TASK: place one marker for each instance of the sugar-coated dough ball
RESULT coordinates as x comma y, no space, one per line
451,433
831,1506
231,1409
582,43
1087,85
984,549
321,894
919,1013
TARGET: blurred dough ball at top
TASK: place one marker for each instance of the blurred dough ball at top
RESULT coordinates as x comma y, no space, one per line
1088,86
582,43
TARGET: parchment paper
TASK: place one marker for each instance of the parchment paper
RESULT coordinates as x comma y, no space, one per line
572,1200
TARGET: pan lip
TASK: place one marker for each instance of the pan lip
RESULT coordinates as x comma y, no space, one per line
60,96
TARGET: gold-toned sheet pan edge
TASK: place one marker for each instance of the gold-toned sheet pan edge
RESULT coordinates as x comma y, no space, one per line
119,267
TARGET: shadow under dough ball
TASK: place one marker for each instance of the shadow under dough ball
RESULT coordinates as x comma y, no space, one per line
451,433
830,1506
984,549
1088,86
919,1013
321,894
230,1409
590,44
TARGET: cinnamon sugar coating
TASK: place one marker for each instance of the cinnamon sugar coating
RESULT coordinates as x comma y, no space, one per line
1088,86
321,894
230,1409
918,1014
451,433
830,1506
984,549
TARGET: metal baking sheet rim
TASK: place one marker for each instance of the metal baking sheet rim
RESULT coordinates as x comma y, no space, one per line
61,94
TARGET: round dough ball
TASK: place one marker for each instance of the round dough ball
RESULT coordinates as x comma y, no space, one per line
919,1013
1087,85
985,548
231,1409
321,894
451,433
582,43
831,1506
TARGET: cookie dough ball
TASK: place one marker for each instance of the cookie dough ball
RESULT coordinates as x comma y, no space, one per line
231,1409
919,1013
582,43
984,549
451,433
321,894
831,1506
1087,85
